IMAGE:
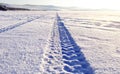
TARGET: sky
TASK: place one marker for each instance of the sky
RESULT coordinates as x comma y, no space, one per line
93,4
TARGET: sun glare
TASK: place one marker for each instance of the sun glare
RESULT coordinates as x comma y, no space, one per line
94,4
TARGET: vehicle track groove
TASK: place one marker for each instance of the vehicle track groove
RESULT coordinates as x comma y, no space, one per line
73,59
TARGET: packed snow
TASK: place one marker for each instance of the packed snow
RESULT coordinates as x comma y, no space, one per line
63,42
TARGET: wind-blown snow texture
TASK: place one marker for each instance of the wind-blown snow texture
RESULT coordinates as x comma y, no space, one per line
39,42
98,35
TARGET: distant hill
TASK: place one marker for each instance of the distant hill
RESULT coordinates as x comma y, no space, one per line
4,6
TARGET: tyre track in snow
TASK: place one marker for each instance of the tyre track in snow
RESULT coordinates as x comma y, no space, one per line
64,55
73,59
53,56
16,25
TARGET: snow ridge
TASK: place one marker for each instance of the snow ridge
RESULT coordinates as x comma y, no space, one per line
53,56
73,59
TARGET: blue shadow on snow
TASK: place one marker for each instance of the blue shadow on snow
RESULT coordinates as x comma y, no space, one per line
74,59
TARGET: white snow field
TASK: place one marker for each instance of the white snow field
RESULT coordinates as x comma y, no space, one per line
66,42
98,35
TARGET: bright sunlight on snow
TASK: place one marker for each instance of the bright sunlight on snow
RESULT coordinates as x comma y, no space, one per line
50,42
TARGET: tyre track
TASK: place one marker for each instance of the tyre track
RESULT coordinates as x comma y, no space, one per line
73,59
16,25
53,56
64,55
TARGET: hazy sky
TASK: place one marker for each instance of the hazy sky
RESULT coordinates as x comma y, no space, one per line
94,4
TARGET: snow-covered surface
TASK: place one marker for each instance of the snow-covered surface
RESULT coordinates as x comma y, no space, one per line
41,42
98,34
22,47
